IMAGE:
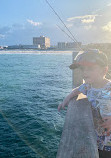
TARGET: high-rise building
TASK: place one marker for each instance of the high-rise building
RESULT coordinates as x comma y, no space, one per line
42,42
68,45
61,45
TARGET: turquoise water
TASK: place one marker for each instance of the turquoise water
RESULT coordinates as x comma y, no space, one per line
31,87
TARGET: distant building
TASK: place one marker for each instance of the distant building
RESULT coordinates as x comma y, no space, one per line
68,45
42,42
22,47
61,45
1,47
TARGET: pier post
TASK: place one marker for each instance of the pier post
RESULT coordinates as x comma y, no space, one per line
77,78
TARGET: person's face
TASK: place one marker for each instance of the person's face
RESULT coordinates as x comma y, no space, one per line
92,74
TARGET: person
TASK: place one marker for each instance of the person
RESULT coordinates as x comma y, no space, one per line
97,88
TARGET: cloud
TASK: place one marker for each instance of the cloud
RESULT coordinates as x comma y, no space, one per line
4,30
69,25
88,27
88,20
17,26
23,33
109,4
84,19
93,27
107,27
2,36
34,23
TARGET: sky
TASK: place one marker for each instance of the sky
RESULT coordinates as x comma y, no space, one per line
88,21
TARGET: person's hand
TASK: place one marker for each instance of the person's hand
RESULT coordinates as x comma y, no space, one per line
66,101
63,104
107,124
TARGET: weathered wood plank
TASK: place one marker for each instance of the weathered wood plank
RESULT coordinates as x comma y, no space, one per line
78,138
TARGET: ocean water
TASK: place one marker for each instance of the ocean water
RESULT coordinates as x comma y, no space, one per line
31,87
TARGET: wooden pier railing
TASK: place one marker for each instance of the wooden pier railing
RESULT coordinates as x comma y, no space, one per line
78,138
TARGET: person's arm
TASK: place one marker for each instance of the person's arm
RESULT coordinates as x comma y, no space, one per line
75,92
107,124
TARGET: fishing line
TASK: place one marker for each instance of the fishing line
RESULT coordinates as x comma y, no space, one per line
20,135
65,33
3,114
74,39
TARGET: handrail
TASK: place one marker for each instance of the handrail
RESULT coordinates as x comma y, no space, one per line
78,137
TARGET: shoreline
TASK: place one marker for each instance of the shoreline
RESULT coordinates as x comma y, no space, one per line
33,51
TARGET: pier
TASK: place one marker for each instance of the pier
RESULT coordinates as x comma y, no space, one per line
78,138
